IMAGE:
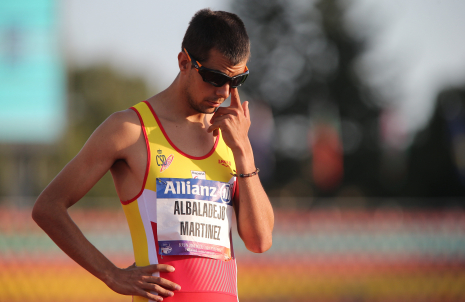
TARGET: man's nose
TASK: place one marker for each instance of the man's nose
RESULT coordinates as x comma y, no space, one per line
223,91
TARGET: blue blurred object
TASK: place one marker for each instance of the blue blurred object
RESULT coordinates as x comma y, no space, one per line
32,82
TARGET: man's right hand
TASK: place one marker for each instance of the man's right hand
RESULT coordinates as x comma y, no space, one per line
138,281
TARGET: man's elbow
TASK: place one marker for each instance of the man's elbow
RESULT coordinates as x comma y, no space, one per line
40,213
260,247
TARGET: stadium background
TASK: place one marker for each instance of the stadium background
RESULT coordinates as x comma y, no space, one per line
369,207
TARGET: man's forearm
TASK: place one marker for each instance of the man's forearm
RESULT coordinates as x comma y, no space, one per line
136,281
59,226
255,218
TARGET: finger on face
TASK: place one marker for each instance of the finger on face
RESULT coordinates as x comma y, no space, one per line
222,112
235,99
216,114
227,110
245,107
222,121
213,128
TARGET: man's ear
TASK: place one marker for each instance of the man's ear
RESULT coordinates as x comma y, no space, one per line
183,62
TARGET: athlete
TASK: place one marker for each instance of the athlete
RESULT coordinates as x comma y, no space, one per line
181,165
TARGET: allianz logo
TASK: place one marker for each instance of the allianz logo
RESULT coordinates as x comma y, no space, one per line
185,187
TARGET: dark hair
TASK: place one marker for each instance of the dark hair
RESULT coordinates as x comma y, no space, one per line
217,29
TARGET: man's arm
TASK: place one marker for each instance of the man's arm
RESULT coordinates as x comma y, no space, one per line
255,218
110,142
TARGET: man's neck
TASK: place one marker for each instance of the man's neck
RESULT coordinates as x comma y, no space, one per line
172,104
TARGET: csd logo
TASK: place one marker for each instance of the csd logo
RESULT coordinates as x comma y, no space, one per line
161,160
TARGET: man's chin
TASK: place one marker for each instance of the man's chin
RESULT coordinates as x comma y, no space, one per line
206,110
210,110
213,107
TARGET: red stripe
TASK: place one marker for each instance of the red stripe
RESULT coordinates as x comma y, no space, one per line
236,190
212,277
207,268
203,274
174,146
232,278
227,283
222,280
148,160
196,274
231,245
221,277
202,269
195,264
201,297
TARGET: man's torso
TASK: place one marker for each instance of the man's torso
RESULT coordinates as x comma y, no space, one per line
197,275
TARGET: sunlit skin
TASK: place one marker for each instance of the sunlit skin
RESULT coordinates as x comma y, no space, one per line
202,101
204,97
185,110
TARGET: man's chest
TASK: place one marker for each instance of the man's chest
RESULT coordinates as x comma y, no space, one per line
193,140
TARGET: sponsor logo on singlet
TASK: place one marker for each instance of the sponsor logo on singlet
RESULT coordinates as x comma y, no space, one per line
198,174
225,163
166,248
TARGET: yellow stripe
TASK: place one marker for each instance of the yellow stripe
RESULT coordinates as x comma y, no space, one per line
138,235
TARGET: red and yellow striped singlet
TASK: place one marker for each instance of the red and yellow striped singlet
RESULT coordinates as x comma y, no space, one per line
201,278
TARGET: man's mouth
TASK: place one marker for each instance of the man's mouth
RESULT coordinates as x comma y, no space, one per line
214,103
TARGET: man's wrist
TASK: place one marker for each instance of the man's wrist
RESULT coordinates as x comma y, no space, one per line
242,150
243,175
108,275
244,159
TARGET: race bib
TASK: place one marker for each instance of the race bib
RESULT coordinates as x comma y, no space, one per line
194,217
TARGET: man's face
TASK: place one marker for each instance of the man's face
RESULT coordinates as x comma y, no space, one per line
204,97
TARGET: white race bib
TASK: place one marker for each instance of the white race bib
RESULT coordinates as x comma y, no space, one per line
194,217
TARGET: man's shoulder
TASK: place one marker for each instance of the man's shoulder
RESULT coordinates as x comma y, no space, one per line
124,118
121,126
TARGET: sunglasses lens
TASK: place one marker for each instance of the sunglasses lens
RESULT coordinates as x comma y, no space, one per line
213,78
236,82
218,79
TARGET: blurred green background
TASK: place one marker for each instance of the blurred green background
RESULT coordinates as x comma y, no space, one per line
365,170
321,127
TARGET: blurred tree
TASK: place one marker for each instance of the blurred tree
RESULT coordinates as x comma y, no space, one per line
437,156
302,66
94,94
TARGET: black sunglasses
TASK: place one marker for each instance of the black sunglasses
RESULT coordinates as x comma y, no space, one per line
217,78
